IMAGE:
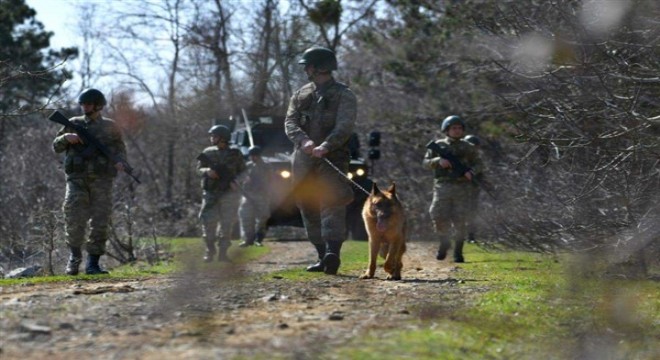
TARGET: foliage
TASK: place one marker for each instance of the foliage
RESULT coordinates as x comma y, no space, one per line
564,101
26,62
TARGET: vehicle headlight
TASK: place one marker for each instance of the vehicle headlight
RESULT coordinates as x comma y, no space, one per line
285,174
360,172
349,175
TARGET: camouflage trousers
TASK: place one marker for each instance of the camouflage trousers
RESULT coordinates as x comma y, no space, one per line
451,207
218,208
473,209
253,214
322,195
88,201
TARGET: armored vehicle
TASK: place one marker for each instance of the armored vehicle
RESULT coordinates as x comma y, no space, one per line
268,133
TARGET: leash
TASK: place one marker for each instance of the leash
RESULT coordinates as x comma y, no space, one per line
346,176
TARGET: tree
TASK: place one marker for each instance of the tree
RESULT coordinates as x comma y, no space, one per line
27,65
561,92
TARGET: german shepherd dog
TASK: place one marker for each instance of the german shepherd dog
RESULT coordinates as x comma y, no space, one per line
385,221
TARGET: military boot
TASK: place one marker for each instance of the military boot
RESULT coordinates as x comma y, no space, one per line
222,255
75,258
331,260
93,267
318,267
458,251
442,251
249,241
259,238
210,250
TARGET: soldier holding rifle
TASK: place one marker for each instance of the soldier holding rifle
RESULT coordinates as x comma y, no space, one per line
218,166
94,147
455,164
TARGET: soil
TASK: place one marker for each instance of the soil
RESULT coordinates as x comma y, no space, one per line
227,311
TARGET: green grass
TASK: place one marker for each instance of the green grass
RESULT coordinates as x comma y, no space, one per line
183,250
533,309
528,306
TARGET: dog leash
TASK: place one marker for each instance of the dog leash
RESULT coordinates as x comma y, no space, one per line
346,176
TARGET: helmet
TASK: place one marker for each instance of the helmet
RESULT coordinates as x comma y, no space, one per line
319,57
92,96
254,150
451,120
472,139
220,131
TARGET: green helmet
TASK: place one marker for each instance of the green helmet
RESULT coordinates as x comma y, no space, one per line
92,96
220,131
472,139
451,120
319,57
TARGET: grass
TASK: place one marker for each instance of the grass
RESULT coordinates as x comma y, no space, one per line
533,309
183,250
534,306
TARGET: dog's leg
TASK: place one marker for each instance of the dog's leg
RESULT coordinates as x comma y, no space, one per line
393,261
374,247
399,261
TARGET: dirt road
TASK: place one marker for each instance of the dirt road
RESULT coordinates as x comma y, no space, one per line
224,313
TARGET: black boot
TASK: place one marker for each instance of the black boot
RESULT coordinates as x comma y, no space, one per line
210,250
442,251
318,267
75,258
259,238
222,255
458,251
93,267
331,259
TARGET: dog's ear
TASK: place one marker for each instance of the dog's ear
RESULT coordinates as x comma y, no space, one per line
392,189
374,189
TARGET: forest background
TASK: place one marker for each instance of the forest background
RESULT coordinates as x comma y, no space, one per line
563,94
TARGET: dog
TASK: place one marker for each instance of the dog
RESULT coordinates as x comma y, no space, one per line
385,221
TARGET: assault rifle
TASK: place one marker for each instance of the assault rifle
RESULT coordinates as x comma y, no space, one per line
225,181
220,169
92,142
458,169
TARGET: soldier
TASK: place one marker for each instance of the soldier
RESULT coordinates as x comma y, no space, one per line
254,210
476,191
89,180
218,166
452,190
319,122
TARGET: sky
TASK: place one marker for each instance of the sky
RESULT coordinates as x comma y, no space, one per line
58,16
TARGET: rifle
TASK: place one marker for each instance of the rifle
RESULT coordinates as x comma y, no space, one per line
225,180
92,142
458,169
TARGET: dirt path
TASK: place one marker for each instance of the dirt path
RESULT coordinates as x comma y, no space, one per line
219,314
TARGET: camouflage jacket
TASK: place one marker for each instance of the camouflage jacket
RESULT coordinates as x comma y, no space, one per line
257,178
466,154
326,115
228,163
81,160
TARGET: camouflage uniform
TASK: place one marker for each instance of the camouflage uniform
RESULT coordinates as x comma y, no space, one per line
452,193
89,178
255,210
326,116
219,200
